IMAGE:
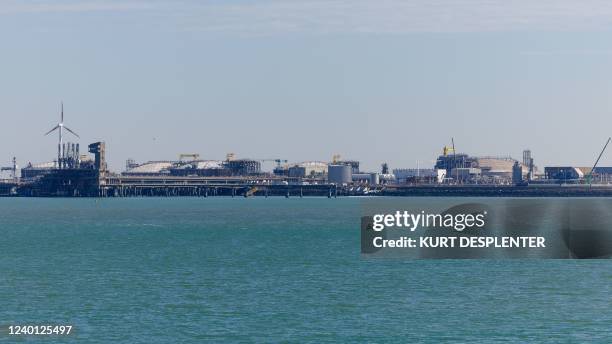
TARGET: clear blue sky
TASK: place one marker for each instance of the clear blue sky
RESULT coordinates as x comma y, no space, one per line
371,80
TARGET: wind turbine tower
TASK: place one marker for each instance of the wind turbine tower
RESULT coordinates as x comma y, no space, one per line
60,128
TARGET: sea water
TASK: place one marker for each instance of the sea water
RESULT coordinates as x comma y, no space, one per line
192,270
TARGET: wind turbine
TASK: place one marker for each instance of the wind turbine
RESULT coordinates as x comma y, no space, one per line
60,127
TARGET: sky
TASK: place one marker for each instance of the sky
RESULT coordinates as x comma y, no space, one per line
376,81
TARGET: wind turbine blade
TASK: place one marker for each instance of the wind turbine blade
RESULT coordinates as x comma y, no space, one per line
72,132
62,112
50,131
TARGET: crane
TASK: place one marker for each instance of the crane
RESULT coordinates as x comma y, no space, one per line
446,150
590,176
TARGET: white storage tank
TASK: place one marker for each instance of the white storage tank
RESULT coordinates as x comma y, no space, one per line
374,179
340,174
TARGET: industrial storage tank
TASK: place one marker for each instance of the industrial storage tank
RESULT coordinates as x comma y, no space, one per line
340,174
374,179
243,167
370,178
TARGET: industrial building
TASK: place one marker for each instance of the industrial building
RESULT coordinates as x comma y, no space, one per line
208,168
366,178
600,175
463,168
308,169
570,174
34,170
10,173
71,177
150,168
419,175
234,167
563,173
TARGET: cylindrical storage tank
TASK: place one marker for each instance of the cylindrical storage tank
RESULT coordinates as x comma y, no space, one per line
374,179
339,174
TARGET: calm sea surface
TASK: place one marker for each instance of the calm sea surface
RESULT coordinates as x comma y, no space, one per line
189,270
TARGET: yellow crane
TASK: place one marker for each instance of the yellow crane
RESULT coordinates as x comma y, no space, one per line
447,150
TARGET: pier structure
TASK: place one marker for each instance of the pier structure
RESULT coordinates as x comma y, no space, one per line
196,186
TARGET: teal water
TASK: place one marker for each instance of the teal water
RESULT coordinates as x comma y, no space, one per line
262,270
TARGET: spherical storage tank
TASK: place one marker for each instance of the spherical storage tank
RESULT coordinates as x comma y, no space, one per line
339,174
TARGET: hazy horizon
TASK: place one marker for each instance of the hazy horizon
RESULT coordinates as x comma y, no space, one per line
385,81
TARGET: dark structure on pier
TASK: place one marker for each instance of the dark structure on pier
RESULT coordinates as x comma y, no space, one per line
72,178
